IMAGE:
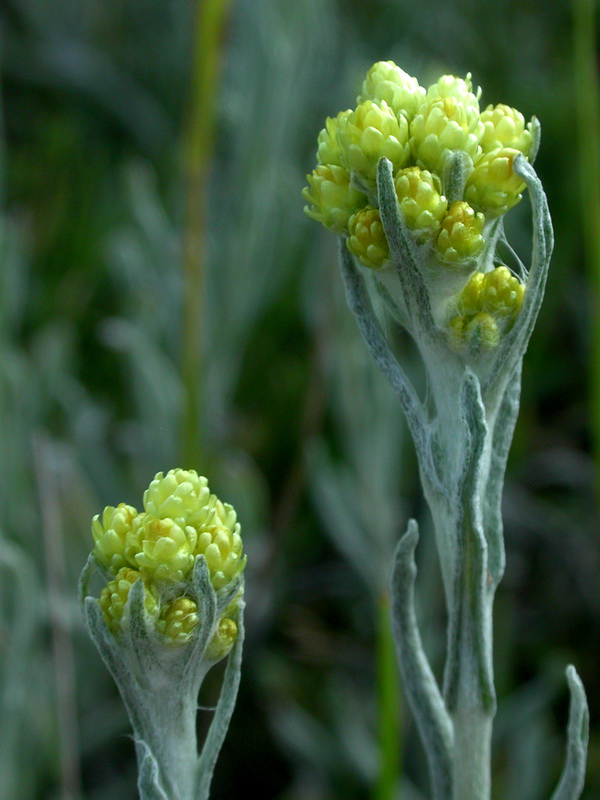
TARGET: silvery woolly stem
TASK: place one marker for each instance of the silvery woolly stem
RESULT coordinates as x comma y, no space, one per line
462,438
159,686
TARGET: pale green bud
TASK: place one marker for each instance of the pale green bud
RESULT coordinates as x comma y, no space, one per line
109,532
459,89
328,149
505,127
367,134
332,197
460,238
113,599
366,239
161,549
444,124
221,544
223,640
420,200
493,187
386,81
181,495
177,621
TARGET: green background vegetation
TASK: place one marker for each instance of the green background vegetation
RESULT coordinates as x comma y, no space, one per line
107,143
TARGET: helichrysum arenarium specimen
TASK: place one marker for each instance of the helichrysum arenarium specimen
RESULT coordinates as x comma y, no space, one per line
169,607
416,182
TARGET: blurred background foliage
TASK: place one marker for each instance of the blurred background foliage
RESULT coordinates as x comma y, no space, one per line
296,426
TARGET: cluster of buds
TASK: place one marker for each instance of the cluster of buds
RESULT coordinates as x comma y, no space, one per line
485,308
159,546
421,132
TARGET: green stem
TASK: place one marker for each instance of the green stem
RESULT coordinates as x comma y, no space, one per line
388,705
587,94
209,24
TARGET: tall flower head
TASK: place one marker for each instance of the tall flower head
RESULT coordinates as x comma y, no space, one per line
220,543
458,88
110,530
386,81
181,495
493,187
328,149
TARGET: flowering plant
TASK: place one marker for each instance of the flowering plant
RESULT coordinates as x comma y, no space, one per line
416,182
170,607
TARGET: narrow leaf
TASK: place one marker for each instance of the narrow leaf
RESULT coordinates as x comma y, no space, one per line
433,722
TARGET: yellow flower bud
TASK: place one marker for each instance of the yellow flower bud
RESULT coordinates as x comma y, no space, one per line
328,149
221,544
161,549
177,621
505,127
487,307
419,197
332,197
444,124
475,334
386,81
366,238
109,534
223,639
369,132
493,187
500,293
113,599
181,495
460,238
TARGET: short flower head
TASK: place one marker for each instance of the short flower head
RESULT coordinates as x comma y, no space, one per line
461,235
486,309
504,126
332,197
442,125
114,596
177,621
182,522
162,549
223,640
366,239
420,199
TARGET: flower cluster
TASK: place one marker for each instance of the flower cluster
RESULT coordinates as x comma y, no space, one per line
420,131
181,521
